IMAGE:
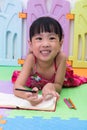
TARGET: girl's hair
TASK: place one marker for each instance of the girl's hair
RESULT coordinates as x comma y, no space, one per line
46,24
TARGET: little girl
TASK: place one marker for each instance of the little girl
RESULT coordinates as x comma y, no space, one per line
45,67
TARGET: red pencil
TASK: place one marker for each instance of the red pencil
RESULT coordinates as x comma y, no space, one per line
67,103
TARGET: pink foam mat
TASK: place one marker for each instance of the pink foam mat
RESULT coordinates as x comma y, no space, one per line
6,87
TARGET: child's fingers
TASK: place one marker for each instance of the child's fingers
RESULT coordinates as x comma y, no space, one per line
35,101
55,94
35,89
48,97
51,95
28,94
35,94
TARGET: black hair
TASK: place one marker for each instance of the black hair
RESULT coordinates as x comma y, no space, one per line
46,24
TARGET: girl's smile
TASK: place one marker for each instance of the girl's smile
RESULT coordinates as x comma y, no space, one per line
45,45
45,52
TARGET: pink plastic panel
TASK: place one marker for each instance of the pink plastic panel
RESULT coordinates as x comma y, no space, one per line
35,9
58,10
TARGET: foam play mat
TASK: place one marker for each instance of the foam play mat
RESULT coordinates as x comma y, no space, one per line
63,118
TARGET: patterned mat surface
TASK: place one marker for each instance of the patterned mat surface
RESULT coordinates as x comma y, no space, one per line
63,118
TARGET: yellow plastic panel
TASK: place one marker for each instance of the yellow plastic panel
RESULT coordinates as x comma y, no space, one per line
79,57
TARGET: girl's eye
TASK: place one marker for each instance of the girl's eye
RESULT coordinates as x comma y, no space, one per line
38,38
52,38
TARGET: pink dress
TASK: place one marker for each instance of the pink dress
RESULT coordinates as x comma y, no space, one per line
37,80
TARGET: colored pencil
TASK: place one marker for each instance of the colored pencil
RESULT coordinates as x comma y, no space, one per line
32,91
72,103
67,103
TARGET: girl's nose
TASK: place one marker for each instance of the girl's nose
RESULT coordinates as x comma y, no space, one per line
46,43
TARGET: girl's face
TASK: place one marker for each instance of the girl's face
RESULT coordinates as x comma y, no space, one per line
45,46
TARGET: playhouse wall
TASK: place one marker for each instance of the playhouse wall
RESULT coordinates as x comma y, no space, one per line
10,33
14,31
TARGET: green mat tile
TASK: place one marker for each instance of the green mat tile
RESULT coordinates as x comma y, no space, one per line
6,72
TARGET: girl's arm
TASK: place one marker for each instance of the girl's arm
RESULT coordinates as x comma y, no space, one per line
61,70
53,88
22,78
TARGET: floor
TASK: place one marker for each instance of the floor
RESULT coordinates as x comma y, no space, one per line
62,119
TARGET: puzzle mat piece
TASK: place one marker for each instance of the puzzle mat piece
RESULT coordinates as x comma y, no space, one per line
5,83
38,123
78,96
6,87
4,112
6,72
2,121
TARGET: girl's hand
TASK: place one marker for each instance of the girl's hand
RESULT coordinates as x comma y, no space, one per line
33,98
49,91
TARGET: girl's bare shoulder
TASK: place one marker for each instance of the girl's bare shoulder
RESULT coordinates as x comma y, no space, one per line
29,56
29,59
61,57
